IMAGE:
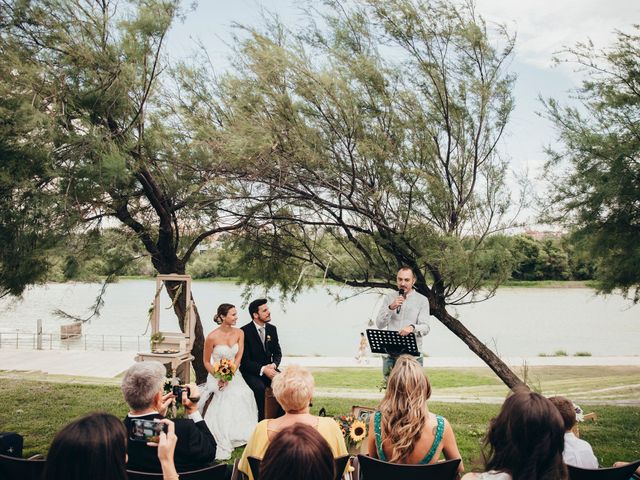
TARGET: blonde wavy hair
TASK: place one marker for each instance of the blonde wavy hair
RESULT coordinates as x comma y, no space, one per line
404,407
293,388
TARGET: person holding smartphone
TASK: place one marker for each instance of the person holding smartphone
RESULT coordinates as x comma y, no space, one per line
95,447
142,387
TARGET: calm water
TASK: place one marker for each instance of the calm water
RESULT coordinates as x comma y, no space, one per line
516,322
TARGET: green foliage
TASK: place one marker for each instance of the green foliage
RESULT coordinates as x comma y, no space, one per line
598,195
539,260
373,139
29,217
217,262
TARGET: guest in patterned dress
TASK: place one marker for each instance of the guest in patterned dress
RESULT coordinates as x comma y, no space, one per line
403,430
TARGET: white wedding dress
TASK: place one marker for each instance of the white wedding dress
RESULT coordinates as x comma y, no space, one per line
232,414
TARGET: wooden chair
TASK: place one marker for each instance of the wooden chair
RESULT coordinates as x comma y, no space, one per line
271,405
613,473
374,469
21,468
339,462
214,472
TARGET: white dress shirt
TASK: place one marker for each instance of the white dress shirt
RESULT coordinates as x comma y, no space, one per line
414,311
258,327
578,453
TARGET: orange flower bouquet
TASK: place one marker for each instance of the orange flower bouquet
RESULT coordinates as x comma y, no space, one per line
224,370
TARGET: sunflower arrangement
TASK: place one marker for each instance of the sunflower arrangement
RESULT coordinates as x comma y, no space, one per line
224,369
353,429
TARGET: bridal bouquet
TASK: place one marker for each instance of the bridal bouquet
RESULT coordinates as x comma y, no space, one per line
224,369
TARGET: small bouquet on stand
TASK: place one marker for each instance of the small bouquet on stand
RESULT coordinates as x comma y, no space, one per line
224,370
353,430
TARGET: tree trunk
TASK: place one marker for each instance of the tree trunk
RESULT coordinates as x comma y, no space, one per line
197,350
480,349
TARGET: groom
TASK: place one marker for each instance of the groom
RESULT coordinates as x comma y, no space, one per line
262,352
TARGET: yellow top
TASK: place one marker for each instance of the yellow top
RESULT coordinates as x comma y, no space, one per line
258,443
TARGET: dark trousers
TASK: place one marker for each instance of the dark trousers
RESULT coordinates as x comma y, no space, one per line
258,384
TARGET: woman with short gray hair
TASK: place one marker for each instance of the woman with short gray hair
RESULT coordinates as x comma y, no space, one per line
293,388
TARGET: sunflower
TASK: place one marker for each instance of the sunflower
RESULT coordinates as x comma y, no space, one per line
358,431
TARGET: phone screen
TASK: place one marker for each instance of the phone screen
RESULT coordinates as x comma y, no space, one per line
145,430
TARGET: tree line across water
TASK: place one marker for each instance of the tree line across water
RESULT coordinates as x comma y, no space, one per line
99,254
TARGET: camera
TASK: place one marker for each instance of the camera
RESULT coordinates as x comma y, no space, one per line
177,392
146,430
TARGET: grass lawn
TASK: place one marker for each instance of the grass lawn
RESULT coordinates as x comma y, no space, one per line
583,384
38,409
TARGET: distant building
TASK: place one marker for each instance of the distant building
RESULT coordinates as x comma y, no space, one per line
544,234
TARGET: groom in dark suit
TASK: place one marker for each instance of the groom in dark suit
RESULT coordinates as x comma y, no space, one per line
262,353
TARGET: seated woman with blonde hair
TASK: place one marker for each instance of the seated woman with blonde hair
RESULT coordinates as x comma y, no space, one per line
293,389
403,430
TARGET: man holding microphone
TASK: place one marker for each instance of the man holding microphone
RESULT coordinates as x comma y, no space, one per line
405,311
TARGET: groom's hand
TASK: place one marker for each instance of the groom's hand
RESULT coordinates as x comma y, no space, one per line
270,371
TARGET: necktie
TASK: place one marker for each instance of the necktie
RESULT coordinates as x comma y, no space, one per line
261,331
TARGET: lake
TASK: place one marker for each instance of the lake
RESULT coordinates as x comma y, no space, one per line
516,322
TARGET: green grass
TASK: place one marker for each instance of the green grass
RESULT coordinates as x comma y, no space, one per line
590,383
370,378
38,409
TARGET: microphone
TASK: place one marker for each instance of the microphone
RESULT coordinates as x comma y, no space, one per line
400,292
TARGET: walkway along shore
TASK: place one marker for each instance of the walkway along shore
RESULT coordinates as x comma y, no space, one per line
110,364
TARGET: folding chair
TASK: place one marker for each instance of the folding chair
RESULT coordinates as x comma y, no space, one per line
612,473
21,468
374,469
214,472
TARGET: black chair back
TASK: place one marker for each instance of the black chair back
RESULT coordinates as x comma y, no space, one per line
21,468
214,472
612,473
374,469
254,465
339,462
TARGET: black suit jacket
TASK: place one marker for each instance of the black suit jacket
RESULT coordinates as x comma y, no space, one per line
196,447
255,356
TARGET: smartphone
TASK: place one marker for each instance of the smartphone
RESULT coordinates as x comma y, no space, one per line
146,430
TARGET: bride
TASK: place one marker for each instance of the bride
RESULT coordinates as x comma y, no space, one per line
232,414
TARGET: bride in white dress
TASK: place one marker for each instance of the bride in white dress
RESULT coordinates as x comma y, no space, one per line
232,414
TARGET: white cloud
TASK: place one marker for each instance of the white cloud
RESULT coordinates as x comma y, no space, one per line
546,26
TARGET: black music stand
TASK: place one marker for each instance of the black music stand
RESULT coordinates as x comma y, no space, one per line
391,343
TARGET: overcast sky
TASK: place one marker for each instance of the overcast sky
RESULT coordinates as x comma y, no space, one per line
542,27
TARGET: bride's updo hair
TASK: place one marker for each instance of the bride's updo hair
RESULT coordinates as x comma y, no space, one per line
223,309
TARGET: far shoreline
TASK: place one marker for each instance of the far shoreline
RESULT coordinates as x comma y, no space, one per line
568,284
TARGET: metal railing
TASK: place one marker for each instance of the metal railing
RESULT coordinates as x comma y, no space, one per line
53,341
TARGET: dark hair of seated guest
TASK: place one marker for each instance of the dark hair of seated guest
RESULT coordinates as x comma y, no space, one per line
298,452
94,446
567,411
526,439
